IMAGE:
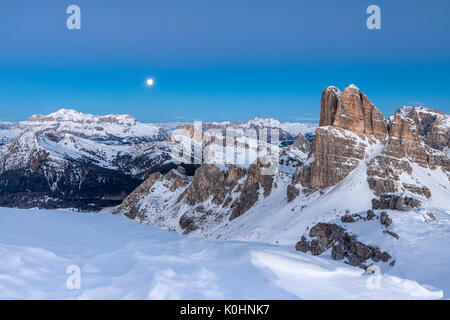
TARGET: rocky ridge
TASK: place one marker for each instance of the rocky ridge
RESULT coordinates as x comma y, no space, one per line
211,195
350,124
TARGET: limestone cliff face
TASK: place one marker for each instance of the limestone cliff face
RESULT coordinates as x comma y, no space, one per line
407,145
328,106
349,122
337,152
351,110
210,181
432,125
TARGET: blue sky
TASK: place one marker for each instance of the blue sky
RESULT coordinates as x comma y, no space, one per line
219,60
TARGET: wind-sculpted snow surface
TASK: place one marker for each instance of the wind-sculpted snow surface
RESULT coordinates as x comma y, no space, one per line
120,259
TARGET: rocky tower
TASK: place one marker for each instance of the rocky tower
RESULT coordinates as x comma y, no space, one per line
349,122
417,136
351,110
328,106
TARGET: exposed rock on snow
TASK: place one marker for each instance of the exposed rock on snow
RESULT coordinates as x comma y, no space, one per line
404,146
292,192
385,220
396,202
211,195
303,145
343,244
211,181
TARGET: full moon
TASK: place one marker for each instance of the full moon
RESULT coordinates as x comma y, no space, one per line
150,82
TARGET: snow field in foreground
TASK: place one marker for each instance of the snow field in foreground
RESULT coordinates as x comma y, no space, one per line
120,259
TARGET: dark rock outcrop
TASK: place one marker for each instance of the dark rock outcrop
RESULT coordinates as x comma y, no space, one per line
303,245
188,223
385,220
292,192
343,245
396,202
370,214
348,219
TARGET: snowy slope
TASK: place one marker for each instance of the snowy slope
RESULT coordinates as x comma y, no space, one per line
123,260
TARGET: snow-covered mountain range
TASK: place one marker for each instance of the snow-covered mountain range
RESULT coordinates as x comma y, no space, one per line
71,159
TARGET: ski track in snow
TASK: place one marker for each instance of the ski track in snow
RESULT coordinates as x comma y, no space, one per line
120,259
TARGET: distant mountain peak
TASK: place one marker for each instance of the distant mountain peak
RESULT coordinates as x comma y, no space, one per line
71,115
265,122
